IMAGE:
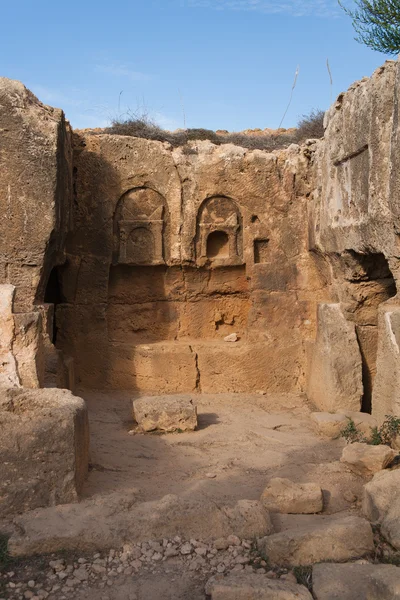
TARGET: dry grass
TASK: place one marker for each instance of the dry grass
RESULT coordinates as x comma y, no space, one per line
309,126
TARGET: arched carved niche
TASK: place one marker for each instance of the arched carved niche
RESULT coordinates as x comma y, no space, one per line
219,239
140,228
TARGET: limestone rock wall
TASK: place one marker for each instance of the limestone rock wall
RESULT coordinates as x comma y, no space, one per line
35,191
354,222
173,250
148,257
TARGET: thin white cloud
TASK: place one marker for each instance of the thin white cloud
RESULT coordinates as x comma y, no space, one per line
121,70
295,8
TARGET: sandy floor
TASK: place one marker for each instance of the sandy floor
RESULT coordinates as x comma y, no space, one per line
242,441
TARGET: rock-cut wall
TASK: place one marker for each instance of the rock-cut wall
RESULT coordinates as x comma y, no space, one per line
172,251
151,257
354,224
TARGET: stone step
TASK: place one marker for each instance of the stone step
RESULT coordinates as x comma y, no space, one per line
319,539
351,581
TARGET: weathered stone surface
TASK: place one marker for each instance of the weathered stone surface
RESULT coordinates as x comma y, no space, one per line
249,586
332,424
8,371
350,581
165,413
327,538
390,526
384,585
28,349
385,398
285,496
335,377
329,424
109,520
366,459
35,191
44,447
380,494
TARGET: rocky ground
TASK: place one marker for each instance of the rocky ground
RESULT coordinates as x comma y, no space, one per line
244,448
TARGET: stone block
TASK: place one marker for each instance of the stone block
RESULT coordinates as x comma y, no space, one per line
380,493
28,349
285,496
44,448
349,581
325,538
107,521
329,424
384,584
365,459
165,413
8,369
385,397
253,586
335,377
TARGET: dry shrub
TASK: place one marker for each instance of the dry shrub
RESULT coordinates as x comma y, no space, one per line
310,126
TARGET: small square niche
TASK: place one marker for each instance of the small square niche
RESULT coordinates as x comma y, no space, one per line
261,251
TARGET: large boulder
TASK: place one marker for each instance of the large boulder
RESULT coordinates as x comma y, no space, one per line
365,459
165,413
380,494
325,538
252,586
335,376
350,581
44,448
285,496
109,520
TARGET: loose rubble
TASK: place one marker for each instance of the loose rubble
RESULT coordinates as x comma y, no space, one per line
62,578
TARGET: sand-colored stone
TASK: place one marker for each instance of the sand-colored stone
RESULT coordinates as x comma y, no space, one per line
332,424
165,413
109,520
334,380
366,459
350,581
35,191
385,399
380,494
324,539
44,448
384,585
285,496
249,586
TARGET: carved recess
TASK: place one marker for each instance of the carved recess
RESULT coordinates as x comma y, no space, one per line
219,233
139,228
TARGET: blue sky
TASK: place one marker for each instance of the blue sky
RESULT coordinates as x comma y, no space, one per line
224,64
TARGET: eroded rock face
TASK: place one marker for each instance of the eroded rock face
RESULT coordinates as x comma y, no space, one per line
44,448
173,252
335,376
165,413
35,191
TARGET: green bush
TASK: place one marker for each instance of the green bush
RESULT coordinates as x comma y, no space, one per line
385,434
